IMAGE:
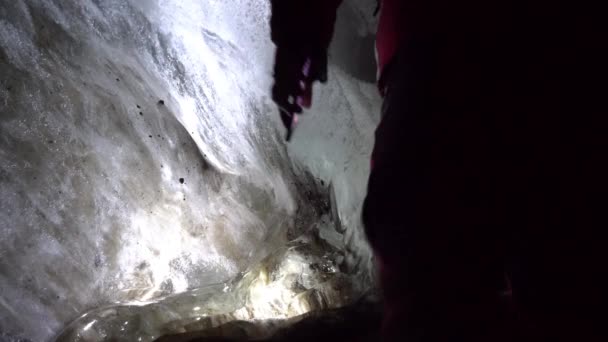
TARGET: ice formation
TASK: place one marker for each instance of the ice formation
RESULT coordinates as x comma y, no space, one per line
144,176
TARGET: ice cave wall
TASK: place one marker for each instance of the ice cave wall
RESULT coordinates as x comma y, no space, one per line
140,155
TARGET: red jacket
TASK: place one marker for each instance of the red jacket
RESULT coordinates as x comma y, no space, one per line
389,35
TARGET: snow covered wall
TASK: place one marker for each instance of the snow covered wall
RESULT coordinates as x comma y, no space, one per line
141,156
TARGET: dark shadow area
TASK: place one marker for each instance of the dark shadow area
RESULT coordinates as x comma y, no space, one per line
358,322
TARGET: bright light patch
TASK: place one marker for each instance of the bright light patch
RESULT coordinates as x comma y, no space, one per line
88,326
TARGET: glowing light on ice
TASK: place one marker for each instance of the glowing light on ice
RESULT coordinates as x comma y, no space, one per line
88,326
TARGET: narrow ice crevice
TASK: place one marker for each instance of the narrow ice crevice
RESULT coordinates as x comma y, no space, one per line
108,195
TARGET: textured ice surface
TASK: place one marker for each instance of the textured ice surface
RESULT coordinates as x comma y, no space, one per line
108,195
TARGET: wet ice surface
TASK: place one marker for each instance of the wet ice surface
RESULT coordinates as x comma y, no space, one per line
140,158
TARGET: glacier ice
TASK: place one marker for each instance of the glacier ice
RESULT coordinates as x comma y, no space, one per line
143,171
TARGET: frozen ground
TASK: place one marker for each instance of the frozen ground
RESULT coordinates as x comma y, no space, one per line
140,158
